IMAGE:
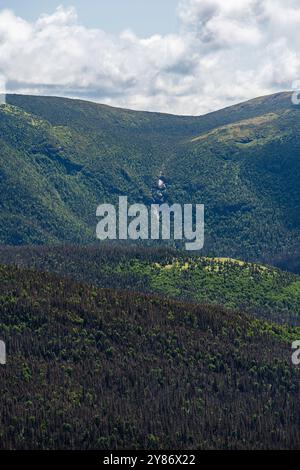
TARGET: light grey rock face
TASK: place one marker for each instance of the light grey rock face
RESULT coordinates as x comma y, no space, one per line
161,184
159,191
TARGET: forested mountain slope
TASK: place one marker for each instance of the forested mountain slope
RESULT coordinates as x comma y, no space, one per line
263,291
60,158
99,369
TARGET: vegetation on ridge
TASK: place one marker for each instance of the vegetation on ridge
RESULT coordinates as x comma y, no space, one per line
263,291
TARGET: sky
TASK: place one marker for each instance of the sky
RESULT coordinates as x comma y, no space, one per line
145,17
174,56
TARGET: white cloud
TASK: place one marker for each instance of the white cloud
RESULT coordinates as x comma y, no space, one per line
224,52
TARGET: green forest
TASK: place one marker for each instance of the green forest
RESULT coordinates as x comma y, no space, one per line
94,368
61,158
263,291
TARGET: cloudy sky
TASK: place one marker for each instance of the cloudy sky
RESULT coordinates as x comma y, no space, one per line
183,57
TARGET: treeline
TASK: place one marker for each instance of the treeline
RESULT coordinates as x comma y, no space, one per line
100,369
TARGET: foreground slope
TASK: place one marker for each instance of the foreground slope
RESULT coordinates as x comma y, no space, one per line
263,291
60,158
100,369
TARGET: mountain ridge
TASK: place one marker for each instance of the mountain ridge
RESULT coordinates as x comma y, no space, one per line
262,291
60,158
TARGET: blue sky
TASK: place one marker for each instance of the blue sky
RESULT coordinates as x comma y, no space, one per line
175,56
145,17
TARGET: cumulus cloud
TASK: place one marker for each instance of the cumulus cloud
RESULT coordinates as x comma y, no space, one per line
223,52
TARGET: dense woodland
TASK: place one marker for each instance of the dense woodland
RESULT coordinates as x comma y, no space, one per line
263,291
61,158
288,261
100,369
